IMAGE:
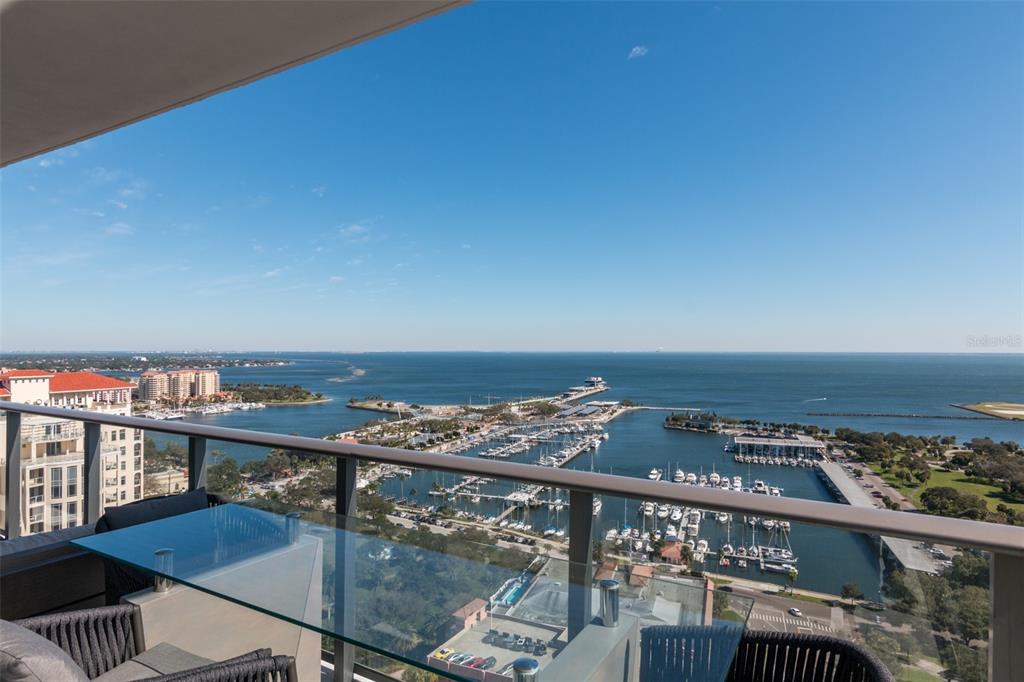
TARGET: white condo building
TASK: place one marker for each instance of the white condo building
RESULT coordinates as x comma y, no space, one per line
53,450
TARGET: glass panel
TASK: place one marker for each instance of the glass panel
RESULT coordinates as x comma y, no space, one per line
407,591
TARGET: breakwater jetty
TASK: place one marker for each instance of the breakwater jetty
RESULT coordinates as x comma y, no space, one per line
900,415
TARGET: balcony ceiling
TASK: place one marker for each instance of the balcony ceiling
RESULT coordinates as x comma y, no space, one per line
72,69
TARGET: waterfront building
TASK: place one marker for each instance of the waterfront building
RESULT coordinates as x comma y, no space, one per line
180,384
797,445
53,450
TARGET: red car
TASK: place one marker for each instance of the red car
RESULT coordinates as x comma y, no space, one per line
476,662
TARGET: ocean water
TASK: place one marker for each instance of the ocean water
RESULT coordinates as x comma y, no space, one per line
773,387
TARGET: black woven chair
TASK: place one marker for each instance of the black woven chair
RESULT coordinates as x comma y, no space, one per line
671,653
120,580
100,639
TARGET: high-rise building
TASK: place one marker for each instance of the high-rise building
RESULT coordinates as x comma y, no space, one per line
53,450
152,385
179,384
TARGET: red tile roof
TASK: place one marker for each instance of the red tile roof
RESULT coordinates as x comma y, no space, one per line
20,373
4,391
63,382
470,608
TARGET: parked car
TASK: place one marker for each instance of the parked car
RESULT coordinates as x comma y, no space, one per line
476,662
540,649
443,654
521,644
488,663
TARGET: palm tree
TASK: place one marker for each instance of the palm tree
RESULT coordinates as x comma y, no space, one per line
791,577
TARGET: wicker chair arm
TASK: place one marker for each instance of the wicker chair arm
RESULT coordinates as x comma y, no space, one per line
97,639
269,669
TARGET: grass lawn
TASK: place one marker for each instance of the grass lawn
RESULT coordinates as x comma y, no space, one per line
992,495
908,674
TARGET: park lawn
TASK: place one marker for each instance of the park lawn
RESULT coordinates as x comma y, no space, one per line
993,495
908,674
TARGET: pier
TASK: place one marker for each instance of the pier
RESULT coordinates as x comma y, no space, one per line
908,553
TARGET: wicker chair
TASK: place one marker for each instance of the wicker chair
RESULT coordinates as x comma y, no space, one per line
100,639
671,653
120,580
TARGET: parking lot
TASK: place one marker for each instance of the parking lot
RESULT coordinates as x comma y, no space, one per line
472,642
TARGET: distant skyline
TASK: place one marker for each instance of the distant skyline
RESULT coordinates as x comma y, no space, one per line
783,177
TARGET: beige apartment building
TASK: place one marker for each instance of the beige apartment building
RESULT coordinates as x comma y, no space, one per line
179,384
53,450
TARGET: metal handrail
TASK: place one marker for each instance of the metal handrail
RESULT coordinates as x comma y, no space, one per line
961,532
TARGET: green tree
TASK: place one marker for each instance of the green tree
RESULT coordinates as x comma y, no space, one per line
852,591
972,613
224,475
886,648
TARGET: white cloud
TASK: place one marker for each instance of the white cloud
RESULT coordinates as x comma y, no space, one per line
103,175
50,161
119,230
637,52
355,261
31,188
273,273
467,246
120,204
98,214
136,189
62,257
319,190
336,278
354,230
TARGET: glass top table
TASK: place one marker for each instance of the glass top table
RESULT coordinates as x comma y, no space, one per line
413,593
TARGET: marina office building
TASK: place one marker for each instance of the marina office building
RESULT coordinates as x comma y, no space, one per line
797,445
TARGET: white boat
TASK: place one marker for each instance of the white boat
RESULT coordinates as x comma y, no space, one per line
679,476
727,549
657,534
691,544
692,529
760,487
560,533
723,517
655,475
714,478
724,483
753,552
702,480
638,545
742,563
677,515
784,525
662,511
597,505
702,546
768,524
691,478
737,483
670,533
610,536
777,492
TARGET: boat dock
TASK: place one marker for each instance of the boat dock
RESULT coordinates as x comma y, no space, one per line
909,553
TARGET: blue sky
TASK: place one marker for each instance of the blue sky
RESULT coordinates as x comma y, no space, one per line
539,176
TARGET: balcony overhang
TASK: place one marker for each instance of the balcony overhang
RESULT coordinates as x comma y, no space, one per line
73,69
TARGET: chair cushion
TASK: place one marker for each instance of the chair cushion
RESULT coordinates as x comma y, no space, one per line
28,657
162,659
151,510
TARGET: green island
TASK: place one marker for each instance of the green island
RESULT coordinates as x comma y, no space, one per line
127,362
274,394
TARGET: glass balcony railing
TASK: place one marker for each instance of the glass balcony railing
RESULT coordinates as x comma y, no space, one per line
444,563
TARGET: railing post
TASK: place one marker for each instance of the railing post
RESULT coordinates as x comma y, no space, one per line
1006,589
344,575
92,472
581,522
12,502
196,462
